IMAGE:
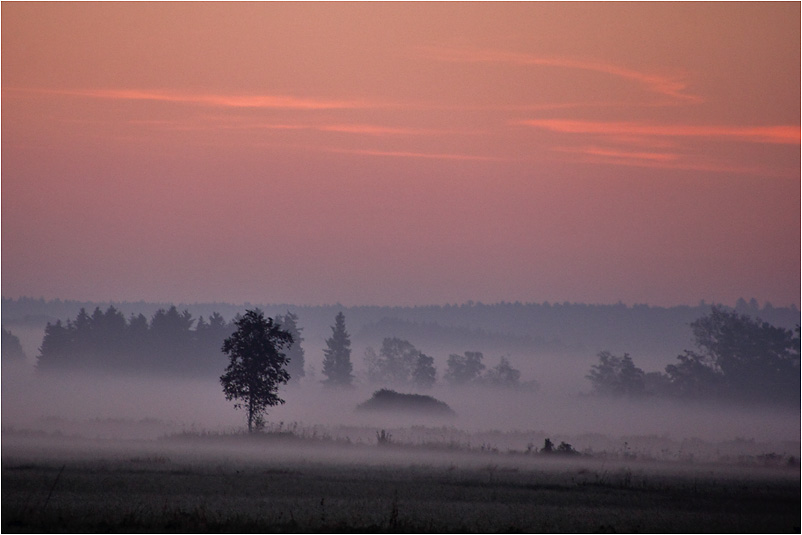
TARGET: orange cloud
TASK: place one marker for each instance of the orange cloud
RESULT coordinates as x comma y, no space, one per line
596,155
782,134
659,84
378,130
613,153
226,101
238,123
401,154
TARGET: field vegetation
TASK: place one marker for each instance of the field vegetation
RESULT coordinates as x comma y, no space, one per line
292,478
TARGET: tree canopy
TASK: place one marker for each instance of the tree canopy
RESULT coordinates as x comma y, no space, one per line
399,362
12,348
753,359
464,369
295,353
106,341
256,366
503,374
736,357
616,376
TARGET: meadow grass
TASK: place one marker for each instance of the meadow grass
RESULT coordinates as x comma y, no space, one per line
283,483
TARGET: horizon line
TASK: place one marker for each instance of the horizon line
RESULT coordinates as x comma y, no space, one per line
467,303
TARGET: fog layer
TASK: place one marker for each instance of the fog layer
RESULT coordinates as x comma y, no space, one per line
48,402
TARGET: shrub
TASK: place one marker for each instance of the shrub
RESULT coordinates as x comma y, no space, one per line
390,400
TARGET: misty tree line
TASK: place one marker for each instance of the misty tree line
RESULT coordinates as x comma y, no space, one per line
504,328
736,358
399,363
12,348
171,342
175,342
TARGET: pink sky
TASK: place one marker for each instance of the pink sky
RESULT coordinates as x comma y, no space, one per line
401,153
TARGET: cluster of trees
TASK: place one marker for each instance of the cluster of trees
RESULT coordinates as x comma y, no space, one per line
174,341
171,341
107,341
400,363
736,357
258,359
12,348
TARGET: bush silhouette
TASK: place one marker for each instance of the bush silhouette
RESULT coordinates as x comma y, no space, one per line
390,400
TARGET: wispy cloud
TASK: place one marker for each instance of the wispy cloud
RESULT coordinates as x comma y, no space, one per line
425,155
782,134
668,86
620,154
595,156
214,100
381,130
239,123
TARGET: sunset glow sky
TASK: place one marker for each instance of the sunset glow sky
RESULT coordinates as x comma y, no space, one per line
403,154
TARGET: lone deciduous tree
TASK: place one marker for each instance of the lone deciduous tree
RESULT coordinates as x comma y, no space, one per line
741,357
257,365
337,365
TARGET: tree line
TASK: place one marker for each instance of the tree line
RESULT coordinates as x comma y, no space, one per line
399,363
258,364
170,342
736,357
175,342
569,329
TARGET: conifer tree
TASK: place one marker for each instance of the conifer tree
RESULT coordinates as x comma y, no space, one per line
337,365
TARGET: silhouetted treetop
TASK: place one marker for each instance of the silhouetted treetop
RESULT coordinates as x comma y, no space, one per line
107,341
295,353
464,369
395,364
736,358
616,376
11,347
257,365
337,365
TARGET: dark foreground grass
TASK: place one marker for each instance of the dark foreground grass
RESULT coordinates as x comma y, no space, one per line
368,489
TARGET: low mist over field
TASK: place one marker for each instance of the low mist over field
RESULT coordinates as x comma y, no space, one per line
31,402
550,396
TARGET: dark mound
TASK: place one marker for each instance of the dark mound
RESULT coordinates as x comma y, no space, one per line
390,400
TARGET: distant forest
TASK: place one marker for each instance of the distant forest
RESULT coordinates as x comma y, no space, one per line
128,337
571,329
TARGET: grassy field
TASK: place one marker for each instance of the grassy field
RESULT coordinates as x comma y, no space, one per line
282,483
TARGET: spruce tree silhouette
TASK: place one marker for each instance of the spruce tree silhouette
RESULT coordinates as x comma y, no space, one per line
337,365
